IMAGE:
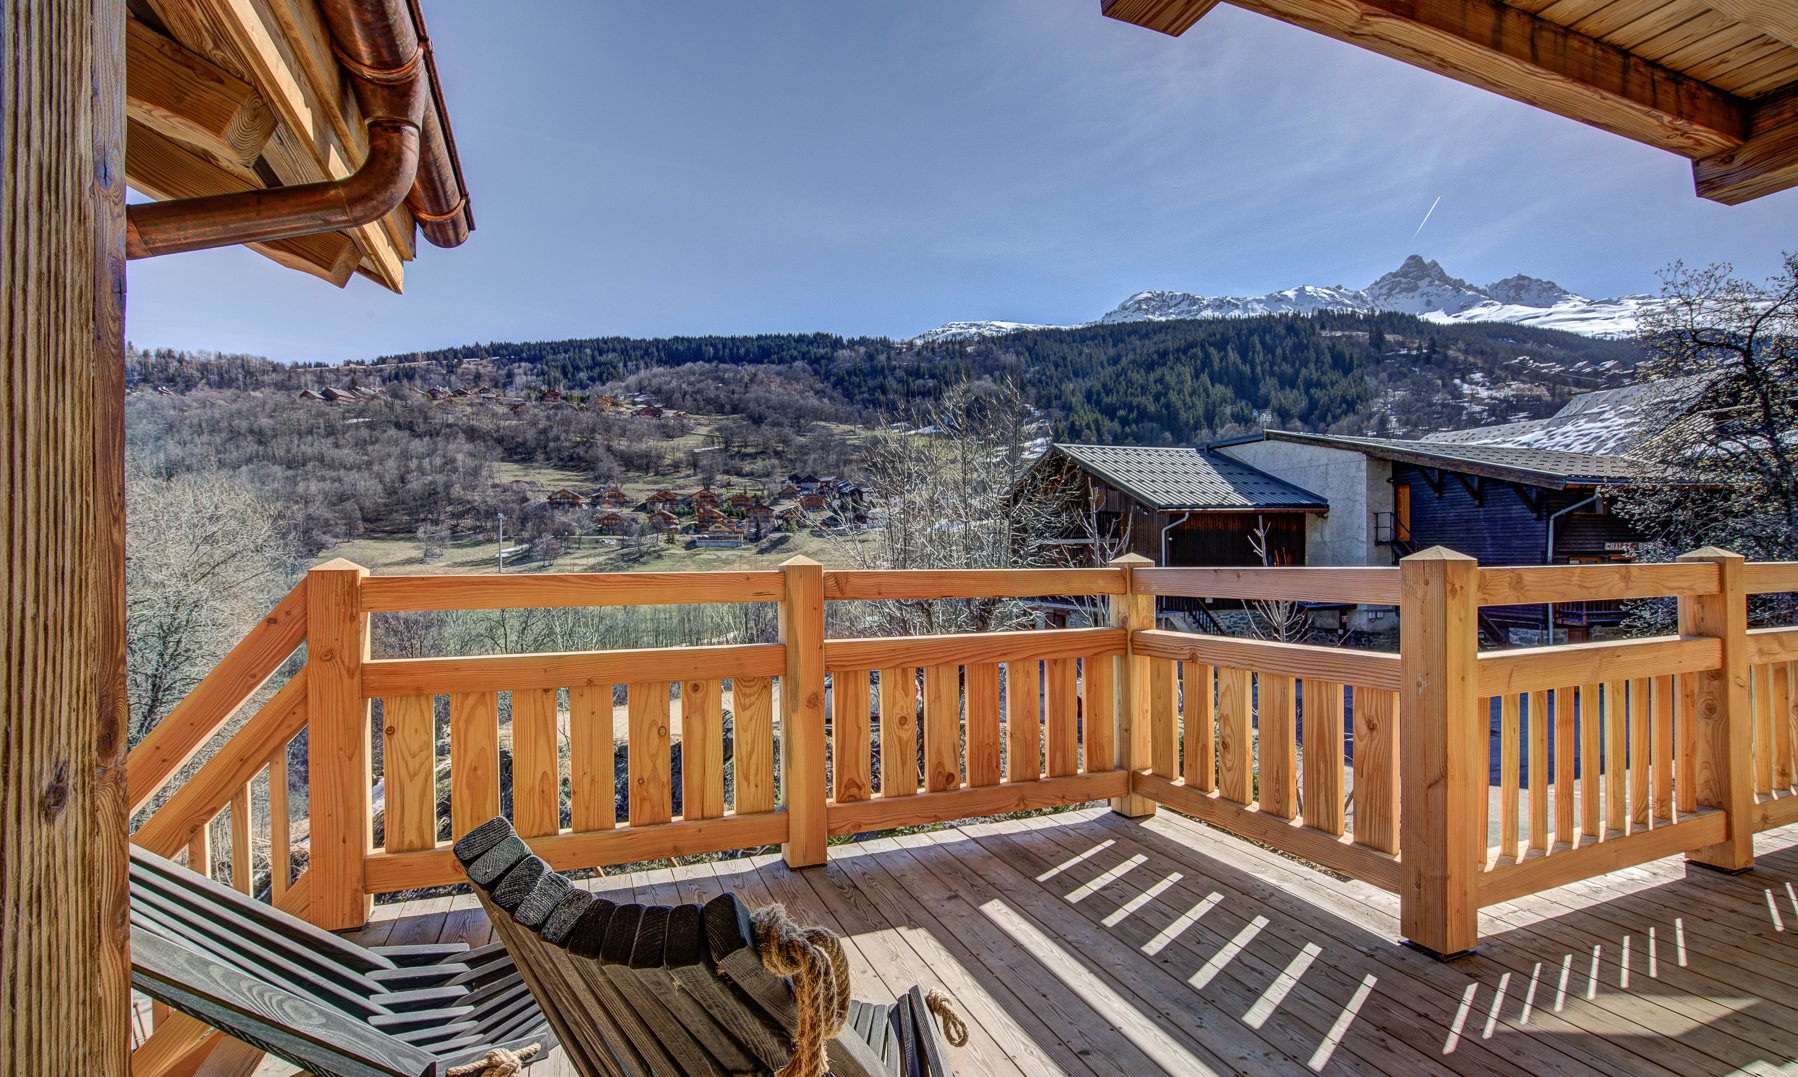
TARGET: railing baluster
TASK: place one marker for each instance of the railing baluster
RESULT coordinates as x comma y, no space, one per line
1509,767
536,778
1639,738
1322,724
1201,726
409,767
1591,763
983,723
1098,686
1782,726
1235,771
592,759
942,728
1278,736
1663,689
1616,758
243,858
752,755
899,732
1539,781
280,825
1762,696
1061,726
849,728
702,748
1566,764
1164,718
474,759
1023,722
1376,769
651,796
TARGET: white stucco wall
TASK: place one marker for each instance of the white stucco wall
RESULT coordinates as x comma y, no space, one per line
1355,487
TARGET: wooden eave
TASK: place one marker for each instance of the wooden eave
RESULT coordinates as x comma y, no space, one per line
233,95
1715,81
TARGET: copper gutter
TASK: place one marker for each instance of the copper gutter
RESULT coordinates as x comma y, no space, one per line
411,156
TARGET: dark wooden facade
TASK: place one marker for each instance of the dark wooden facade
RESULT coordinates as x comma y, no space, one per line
1507,523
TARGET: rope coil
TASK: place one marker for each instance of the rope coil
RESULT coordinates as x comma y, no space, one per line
813,958
955,1030
497,1062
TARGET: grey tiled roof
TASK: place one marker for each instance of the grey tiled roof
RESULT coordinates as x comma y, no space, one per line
1188,478
1609,421
1544,467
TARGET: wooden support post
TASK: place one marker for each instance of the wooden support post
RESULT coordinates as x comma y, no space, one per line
337,745
64,965
1133,612
1442,752
803,788
1722,723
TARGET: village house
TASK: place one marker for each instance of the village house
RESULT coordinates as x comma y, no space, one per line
612,497
759,513
615,523
565,499
740,501
702,498
718,534
662,520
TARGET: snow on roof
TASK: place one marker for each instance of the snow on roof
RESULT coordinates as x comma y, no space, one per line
1608,422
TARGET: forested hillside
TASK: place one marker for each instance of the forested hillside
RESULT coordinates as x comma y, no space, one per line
1147,383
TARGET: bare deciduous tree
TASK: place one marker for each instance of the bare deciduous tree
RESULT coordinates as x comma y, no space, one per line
205,558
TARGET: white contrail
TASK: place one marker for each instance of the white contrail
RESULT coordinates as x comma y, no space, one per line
1426,217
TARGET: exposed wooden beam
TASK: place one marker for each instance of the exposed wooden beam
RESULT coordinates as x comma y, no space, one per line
163,168
1763,165
1778,19
319,136
191,99
1509,51
1173,17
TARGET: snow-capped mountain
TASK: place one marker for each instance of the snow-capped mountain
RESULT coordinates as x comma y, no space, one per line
1419,286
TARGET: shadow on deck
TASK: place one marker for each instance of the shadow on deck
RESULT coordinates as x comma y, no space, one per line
1087,943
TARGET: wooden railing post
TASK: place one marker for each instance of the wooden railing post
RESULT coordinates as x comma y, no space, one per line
337,745
1132,612
1442,752
1723,724
803,788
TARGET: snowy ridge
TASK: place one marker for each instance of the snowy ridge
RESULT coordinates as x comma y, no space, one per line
1418,286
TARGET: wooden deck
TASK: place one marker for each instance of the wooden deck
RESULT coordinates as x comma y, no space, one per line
1087,943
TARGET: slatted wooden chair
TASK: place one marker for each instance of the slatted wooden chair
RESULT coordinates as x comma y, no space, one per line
318,1001
651,990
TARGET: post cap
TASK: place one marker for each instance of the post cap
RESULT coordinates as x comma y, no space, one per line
800,561
1711,553
338,564
1438,553
1130,559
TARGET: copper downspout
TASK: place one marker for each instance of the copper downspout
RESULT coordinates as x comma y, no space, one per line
395,83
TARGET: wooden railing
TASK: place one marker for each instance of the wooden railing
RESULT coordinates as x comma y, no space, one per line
1381,766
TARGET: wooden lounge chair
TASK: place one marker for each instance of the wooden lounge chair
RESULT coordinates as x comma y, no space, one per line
656,990
320,1002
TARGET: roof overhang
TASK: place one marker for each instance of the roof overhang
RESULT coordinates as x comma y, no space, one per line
1714,81
225,97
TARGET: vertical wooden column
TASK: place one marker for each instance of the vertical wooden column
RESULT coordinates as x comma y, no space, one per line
1442,752
803,787
1722,724
337,745
1133,612
64,965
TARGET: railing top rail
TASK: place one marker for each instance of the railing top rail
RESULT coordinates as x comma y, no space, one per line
854,584
1769,577
502,672
1536,669
970,648
1374,586
1535,584
386,594
1343,665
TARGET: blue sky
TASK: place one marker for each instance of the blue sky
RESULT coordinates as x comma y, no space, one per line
883,166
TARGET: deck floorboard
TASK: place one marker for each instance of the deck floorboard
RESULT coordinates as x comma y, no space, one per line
1086,943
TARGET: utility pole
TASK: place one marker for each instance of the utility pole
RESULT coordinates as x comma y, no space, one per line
500,552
